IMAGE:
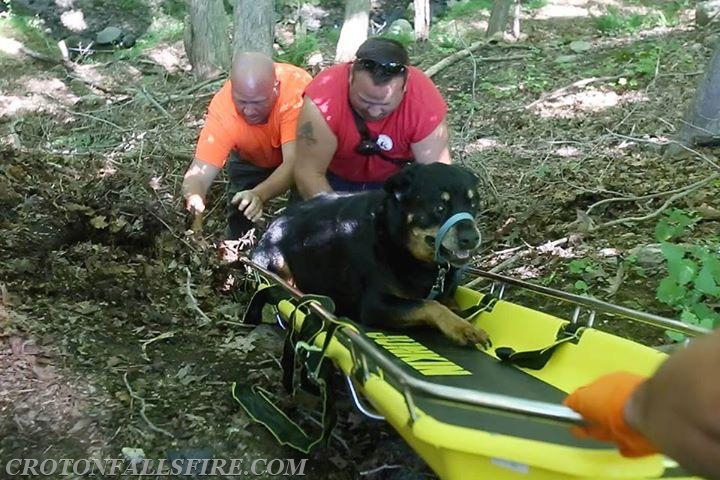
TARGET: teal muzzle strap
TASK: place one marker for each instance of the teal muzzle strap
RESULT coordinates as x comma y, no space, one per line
458,217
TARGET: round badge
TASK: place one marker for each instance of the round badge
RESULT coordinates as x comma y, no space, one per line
384,142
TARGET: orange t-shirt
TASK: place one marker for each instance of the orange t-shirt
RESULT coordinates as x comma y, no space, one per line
226,130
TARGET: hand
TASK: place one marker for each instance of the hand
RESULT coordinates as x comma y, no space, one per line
249,203
678,407
195,204
603,403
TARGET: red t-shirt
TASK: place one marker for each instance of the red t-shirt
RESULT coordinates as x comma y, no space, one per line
421,110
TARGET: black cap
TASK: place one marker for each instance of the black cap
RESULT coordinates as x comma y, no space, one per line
383,51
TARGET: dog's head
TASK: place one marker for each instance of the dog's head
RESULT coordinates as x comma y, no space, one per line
431,210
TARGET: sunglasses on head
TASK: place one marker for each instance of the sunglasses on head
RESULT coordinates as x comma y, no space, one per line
388,68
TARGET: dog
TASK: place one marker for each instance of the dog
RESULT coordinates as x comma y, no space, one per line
379,255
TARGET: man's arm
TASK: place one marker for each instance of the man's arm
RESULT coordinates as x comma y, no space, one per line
434,147
677,408
316,145
675,411
251,202
198,178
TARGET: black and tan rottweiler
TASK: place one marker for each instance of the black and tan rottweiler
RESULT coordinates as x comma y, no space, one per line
388,257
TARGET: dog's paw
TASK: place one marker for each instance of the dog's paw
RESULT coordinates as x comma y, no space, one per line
465,333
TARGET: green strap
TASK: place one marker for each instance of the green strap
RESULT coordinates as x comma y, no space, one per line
259,405
304,369
264,296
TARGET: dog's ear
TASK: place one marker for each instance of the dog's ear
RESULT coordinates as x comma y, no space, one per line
471,174
398,185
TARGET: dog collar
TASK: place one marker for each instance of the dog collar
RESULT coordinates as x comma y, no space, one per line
458,217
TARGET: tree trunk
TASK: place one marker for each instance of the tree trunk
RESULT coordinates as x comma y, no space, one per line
516,21
702,122
254,26
354,29
499,17
207,44
422,20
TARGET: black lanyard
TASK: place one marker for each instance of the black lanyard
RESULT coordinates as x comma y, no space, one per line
370,143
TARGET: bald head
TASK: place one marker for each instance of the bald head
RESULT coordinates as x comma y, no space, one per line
254,86
253,69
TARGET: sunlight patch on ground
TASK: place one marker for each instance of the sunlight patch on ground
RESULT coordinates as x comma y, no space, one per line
41,95
567,151
10,46
12,106
586,8
560,11
481,145
74,20
169,56
588,101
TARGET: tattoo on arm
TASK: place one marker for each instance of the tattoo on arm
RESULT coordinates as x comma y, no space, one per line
305,133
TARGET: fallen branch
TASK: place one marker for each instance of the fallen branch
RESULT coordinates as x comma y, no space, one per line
518,256
657,212
142,408
664,143
191,300
652,195
144,344
466,52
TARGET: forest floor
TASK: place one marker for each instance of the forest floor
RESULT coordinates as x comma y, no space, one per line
117,329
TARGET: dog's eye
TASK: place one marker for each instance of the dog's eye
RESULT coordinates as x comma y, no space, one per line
440,208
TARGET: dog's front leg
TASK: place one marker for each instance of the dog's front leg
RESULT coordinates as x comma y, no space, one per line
400,312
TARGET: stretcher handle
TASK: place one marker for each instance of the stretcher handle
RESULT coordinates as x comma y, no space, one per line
597,305
484,400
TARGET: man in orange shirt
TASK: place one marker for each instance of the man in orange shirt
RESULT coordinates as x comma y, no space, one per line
252,119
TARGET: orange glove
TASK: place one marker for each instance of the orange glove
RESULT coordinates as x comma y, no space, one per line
602,404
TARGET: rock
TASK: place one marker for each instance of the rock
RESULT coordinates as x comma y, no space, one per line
108,36
566,59
401,29
648,256
579,46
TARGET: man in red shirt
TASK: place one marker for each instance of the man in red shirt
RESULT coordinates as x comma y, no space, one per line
361,121
253,119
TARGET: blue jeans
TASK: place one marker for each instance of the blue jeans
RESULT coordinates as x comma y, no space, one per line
341,185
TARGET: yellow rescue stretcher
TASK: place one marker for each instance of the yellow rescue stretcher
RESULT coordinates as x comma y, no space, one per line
468,413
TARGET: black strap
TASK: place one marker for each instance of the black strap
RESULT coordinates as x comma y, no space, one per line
537,359
366,137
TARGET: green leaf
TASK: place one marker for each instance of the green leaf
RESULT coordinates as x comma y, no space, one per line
577,266
99,222
711,261
672,252
664,231
688,317
669,291
678,337
687,271
681,269
708,323
705,282
581,286
708,317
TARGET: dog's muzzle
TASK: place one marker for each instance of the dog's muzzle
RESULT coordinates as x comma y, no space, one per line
466,240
